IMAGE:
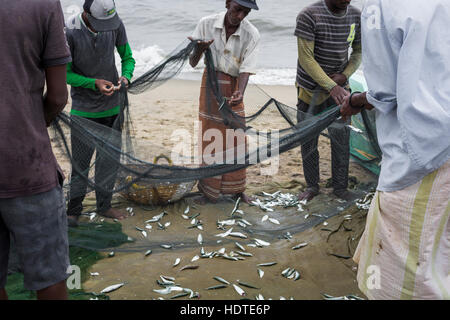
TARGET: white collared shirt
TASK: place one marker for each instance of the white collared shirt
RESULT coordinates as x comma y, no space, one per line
239,53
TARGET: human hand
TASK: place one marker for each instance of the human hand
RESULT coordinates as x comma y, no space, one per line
339,78
202,45
339,94
353,104
124,80
236,98
105,87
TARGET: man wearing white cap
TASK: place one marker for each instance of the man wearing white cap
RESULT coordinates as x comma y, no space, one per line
92,37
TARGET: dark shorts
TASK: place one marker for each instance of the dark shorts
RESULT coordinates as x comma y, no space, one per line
38,225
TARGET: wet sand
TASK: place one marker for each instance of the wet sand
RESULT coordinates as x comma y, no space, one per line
175,105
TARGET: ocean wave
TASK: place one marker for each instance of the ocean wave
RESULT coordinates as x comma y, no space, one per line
148,57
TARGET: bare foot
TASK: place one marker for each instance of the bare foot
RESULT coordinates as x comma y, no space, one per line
246,199
114,214
308,195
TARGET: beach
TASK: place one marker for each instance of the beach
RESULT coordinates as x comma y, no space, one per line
156,115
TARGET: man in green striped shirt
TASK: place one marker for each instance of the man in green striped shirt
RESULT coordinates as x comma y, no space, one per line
93,37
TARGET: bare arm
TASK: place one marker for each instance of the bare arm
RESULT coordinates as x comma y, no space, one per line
201,47
238,96
55,99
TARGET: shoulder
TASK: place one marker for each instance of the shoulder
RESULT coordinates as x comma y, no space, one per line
47,6
251,30
310,11
210,19
353,11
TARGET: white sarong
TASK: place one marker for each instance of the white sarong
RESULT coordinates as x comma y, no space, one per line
404,252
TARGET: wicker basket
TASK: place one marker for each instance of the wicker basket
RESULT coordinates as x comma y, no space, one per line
146,192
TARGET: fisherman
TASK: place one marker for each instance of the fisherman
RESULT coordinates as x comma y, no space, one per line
92,37
326,31
234,44
32,207
406,243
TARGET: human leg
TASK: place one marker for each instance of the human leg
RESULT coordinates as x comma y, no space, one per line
4,255
107,166
38,224
82,155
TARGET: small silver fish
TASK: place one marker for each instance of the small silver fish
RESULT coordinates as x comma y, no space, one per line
238,235
195,258
166,246
112,288
200,239
285,272
220,286
221,280
168,290
245,254
223,235
177,262
247,285
236,206
187,210
246,222
148,252
189,267
239,246
268,264
262,242
260,273
239,290
299,246
227,222
275,221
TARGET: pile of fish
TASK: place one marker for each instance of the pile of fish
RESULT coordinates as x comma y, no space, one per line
195,223
278,199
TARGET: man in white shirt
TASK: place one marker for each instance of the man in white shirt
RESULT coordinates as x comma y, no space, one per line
234,45
404,252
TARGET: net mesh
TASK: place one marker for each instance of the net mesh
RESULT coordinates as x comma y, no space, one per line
106,157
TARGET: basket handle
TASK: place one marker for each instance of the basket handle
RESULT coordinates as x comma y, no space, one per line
162,156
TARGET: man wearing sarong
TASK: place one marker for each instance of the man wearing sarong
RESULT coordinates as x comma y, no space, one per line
325,31
234,44
404,252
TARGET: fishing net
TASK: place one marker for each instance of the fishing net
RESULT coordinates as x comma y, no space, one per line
121,163
106,157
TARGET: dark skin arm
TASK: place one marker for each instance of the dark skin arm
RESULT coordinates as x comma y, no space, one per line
238,95
358,100
55,99
201,47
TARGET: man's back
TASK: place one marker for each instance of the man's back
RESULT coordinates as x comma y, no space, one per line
406,64
33,41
